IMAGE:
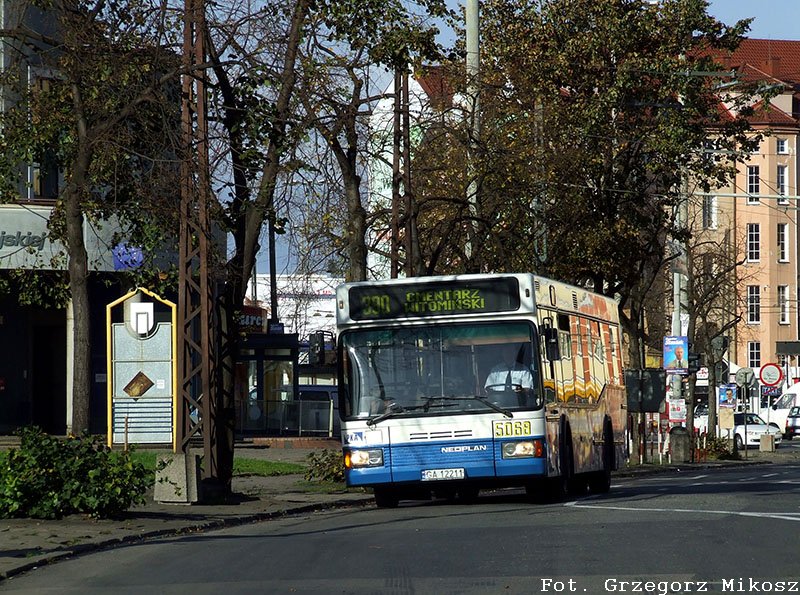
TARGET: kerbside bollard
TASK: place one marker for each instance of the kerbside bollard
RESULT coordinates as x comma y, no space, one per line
679,445
177,479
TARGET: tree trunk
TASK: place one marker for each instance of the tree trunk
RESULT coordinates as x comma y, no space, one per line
79,290
356,232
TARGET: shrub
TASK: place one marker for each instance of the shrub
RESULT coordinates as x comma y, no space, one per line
719,448
49,478
326,465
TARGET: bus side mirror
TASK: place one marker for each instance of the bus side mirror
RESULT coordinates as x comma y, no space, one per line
551,344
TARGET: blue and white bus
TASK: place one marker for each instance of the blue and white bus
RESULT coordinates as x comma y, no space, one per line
421,415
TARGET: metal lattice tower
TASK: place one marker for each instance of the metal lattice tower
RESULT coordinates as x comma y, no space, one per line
198,328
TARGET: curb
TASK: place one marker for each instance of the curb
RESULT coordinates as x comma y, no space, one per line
216,524
637,471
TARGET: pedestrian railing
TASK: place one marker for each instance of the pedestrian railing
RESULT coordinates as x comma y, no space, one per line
286,418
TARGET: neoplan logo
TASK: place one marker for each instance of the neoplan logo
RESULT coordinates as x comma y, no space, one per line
470,448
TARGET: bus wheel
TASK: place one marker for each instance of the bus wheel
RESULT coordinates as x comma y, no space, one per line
564,484
386,498
600,482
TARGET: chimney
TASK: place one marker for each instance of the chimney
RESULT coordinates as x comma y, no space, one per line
773,66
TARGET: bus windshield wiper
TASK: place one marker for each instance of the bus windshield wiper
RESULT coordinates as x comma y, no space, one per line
391,409
480,398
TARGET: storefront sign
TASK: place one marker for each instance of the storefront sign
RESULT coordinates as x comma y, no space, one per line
25,241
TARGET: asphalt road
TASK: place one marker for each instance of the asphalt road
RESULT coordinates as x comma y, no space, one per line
722,530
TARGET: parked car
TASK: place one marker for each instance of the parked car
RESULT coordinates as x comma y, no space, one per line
792,423
700,417
755,428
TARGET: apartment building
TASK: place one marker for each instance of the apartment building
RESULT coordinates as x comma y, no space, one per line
757,214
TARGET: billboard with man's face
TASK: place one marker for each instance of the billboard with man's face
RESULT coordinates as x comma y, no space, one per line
727,396
676,352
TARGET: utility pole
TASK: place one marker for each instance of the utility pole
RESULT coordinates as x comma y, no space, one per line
413,256
679,284
474,119
394,258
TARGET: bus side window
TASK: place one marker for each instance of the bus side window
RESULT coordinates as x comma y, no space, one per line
552,350
546,365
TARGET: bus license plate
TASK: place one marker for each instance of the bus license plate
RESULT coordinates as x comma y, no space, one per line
435,474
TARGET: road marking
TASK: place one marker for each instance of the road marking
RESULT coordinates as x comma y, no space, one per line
784,516
673,478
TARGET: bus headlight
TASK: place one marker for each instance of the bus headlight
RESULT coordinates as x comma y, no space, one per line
523,449
364,458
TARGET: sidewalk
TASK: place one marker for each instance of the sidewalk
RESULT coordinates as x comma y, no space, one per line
28,543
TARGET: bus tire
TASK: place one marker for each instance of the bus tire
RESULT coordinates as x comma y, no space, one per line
600,481
386,497
564,484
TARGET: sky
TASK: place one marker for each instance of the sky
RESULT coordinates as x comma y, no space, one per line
774,19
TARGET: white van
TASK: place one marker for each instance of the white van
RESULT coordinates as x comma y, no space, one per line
779,411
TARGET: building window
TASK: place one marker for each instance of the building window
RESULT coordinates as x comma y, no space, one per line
753,242
753,183
782,360
44,175
782,146
709,212
783,303
781,181
753,304
754,354
783,242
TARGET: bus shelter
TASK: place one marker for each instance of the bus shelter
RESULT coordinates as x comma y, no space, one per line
266,383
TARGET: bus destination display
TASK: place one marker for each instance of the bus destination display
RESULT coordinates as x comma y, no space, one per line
434,299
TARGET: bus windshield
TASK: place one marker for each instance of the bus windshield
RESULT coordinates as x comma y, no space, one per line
440,370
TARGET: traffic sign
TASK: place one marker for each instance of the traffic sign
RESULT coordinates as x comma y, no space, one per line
771,374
